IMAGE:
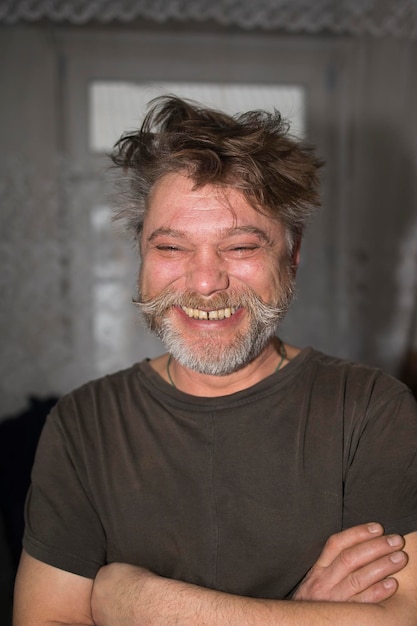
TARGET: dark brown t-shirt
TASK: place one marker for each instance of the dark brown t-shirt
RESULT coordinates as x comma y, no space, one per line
238,493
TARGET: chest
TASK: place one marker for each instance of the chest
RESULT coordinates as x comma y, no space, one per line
242,505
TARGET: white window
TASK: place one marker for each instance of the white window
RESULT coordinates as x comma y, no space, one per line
116,106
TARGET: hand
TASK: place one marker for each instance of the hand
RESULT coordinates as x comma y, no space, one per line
356,565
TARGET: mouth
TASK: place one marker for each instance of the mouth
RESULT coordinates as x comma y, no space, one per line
215,314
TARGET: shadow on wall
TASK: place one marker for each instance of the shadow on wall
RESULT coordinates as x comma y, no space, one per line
409,373
19,437
382,253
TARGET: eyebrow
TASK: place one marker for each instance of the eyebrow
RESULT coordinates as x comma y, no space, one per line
230,232
170,232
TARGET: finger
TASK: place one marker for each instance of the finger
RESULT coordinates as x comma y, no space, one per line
366,553
347,539
363,584
378,592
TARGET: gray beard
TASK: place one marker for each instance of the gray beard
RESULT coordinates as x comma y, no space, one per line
208,354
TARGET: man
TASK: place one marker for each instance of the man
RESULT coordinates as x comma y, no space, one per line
236,479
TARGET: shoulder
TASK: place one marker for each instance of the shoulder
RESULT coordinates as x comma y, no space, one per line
354,375
98,401
114,384
353,390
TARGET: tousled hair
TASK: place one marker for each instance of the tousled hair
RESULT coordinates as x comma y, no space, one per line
252,152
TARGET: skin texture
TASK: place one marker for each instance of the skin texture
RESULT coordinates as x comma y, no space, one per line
200,241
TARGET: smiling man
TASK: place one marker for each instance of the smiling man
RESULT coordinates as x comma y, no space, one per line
224,280
236,479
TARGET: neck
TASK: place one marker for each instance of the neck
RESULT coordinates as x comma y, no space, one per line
272,359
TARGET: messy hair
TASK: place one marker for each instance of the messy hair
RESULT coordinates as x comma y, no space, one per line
252,152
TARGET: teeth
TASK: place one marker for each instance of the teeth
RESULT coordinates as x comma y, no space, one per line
216,314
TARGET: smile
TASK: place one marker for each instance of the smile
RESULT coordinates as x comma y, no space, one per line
216,314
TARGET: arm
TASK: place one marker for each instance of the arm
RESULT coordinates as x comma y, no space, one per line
45,595
127,595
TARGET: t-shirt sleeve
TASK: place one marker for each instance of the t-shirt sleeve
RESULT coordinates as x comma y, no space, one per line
381,467
62,527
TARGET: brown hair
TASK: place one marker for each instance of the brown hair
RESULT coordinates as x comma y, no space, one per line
252,152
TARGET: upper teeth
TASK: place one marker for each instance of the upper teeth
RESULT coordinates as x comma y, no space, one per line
217,314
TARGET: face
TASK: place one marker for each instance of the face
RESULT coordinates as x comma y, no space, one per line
216,276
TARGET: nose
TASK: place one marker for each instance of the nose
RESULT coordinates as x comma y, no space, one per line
207,273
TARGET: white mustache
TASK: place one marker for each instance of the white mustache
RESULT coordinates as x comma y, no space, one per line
243,298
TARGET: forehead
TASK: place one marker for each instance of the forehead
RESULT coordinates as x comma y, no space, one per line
176,203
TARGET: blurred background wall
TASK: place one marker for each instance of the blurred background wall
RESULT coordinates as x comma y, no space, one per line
74,74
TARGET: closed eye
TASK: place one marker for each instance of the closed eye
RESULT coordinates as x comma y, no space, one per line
169,248
241,250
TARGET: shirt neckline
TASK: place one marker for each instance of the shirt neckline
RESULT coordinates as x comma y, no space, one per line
156,384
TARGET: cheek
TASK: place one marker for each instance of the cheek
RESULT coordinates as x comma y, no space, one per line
156,276
263,278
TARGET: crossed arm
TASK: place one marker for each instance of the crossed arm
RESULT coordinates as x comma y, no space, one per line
350,583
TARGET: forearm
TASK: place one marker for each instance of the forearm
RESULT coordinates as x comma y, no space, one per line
154,601
168,603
